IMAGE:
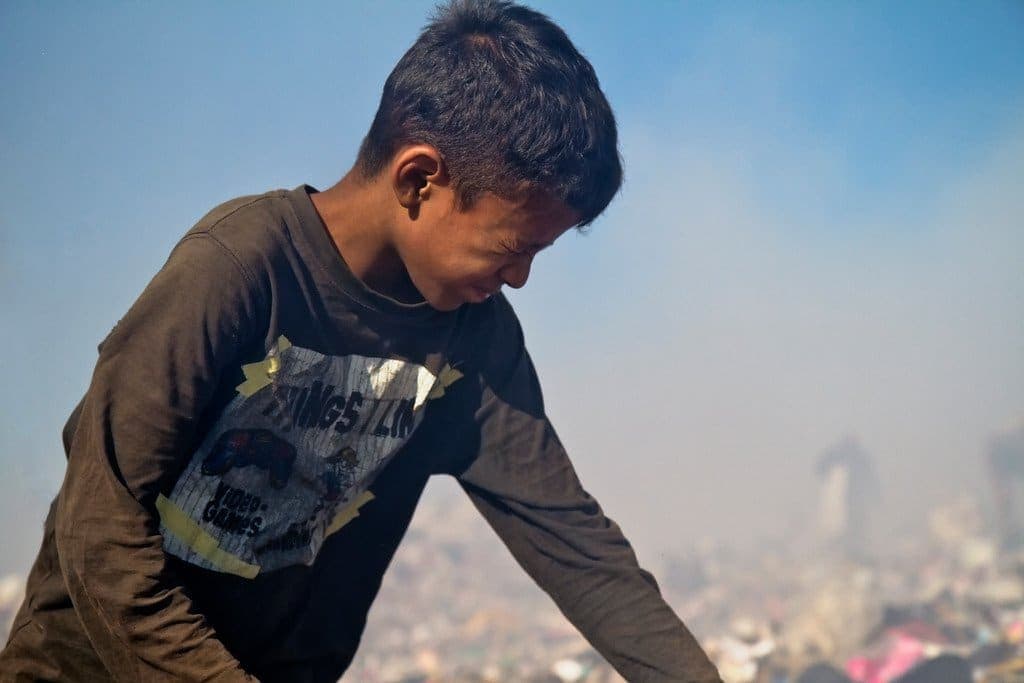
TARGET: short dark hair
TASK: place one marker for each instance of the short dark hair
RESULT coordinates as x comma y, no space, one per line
508,101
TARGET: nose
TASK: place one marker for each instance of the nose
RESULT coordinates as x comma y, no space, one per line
516,273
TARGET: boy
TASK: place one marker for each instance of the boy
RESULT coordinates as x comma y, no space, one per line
262,421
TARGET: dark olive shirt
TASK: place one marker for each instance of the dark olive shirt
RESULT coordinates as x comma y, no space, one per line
256,435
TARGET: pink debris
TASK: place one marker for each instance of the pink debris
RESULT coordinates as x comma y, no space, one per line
901,656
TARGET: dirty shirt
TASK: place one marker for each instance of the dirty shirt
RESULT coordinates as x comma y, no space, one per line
256,435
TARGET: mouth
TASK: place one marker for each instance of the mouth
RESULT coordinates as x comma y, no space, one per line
479,294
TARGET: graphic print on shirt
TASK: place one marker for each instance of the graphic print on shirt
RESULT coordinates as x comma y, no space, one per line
290,459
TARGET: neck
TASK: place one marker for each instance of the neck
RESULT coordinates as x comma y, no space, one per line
356,213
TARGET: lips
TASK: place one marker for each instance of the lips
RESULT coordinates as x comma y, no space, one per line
479,294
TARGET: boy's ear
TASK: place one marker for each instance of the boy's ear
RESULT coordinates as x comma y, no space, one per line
414,170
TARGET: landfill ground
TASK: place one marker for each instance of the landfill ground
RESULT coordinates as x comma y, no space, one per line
947,605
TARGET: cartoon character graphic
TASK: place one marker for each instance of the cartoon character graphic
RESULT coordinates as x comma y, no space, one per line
338,475
252,447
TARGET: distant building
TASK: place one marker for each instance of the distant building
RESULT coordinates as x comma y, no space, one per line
848,492
1006,469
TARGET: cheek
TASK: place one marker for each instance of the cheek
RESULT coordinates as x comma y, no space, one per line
464,268
481,272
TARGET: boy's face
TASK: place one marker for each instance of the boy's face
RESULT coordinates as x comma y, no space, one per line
458,256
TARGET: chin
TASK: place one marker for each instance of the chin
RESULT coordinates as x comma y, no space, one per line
448,308
451,298
445,305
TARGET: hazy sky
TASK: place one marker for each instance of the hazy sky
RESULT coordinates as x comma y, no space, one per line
821,231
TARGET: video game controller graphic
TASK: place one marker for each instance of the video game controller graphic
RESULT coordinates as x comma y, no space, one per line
252,447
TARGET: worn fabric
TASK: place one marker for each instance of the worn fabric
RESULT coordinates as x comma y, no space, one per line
255,437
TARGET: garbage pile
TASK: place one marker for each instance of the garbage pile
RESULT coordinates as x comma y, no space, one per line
948,607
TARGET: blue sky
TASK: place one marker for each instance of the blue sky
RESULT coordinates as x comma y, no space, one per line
820,231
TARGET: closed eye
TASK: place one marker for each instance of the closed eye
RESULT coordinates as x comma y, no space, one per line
512,248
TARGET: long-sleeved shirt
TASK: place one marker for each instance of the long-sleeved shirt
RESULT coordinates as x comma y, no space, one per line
255,437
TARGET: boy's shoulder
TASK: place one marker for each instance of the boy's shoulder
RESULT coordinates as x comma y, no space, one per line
254,229
245,216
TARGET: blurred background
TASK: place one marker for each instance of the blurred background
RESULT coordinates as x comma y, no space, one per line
789,359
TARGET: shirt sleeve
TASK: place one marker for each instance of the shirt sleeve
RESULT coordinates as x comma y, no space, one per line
523,483
156,373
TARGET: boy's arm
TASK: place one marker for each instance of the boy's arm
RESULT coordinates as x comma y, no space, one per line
156,373
523,483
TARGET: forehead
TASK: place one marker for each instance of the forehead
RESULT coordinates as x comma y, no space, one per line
534,217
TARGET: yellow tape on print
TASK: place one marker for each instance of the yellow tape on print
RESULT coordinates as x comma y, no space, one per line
447,377
349,512
259,375
202,543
